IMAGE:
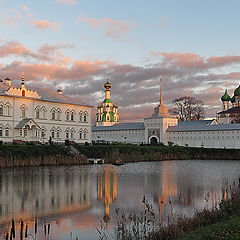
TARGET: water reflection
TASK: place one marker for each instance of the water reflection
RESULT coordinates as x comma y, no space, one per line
76,198
107,188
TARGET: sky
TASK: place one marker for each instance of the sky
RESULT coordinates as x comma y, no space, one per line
76,44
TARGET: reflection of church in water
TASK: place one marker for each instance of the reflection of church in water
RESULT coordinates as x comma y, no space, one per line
107,188
43,193
50,193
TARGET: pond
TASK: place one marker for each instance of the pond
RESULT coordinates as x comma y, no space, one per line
75,199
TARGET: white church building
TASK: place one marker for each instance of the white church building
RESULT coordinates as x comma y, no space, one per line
38,114
162,127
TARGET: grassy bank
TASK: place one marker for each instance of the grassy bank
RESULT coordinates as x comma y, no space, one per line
225,229
12,155
136,153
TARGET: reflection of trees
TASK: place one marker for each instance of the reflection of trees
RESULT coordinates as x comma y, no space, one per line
107,188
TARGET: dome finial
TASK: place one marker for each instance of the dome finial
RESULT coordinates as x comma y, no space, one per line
22,78
107,85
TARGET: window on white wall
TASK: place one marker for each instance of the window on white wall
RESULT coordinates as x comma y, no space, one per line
7,111
7,132
67,116
37,113
53,115
23,113
1,110
1,132
72,116
58,115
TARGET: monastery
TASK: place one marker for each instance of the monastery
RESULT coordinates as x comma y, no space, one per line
161,127
40,114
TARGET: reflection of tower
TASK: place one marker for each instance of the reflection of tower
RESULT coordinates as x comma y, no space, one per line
107,188
168,186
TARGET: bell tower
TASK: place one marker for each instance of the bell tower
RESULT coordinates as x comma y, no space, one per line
107,111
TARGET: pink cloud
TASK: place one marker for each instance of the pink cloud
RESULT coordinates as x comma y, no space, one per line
193,60
44,24
111,28
135,89
46,52
24,8
13,48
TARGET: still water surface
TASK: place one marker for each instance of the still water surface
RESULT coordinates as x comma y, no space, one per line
75,199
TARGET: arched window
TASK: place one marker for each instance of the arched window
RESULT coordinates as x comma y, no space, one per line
58,115
1,110
7,132
23,113
23,93
72,116
85,134
81,117
7,110
53,133
58,133
80,135
53,115
43,134
1,131
37,113
67,116
43,112
71,134
85,117
67,134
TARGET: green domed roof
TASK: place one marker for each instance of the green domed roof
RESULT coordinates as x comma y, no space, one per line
233,99
107,101
226,97
237,91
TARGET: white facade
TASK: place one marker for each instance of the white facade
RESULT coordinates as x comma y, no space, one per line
38,114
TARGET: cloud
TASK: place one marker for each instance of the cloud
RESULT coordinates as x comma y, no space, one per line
24,8
135,89
11,17
67,2
44,24
46,52
111,28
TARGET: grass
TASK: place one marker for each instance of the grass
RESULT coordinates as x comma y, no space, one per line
226,229
25,151
136,153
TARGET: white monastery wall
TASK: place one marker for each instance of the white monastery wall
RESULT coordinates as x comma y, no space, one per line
135,136
206,139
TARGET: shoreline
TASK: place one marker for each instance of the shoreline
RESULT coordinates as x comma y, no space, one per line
60,155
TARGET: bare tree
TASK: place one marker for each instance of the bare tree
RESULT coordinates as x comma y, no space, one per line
188,108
